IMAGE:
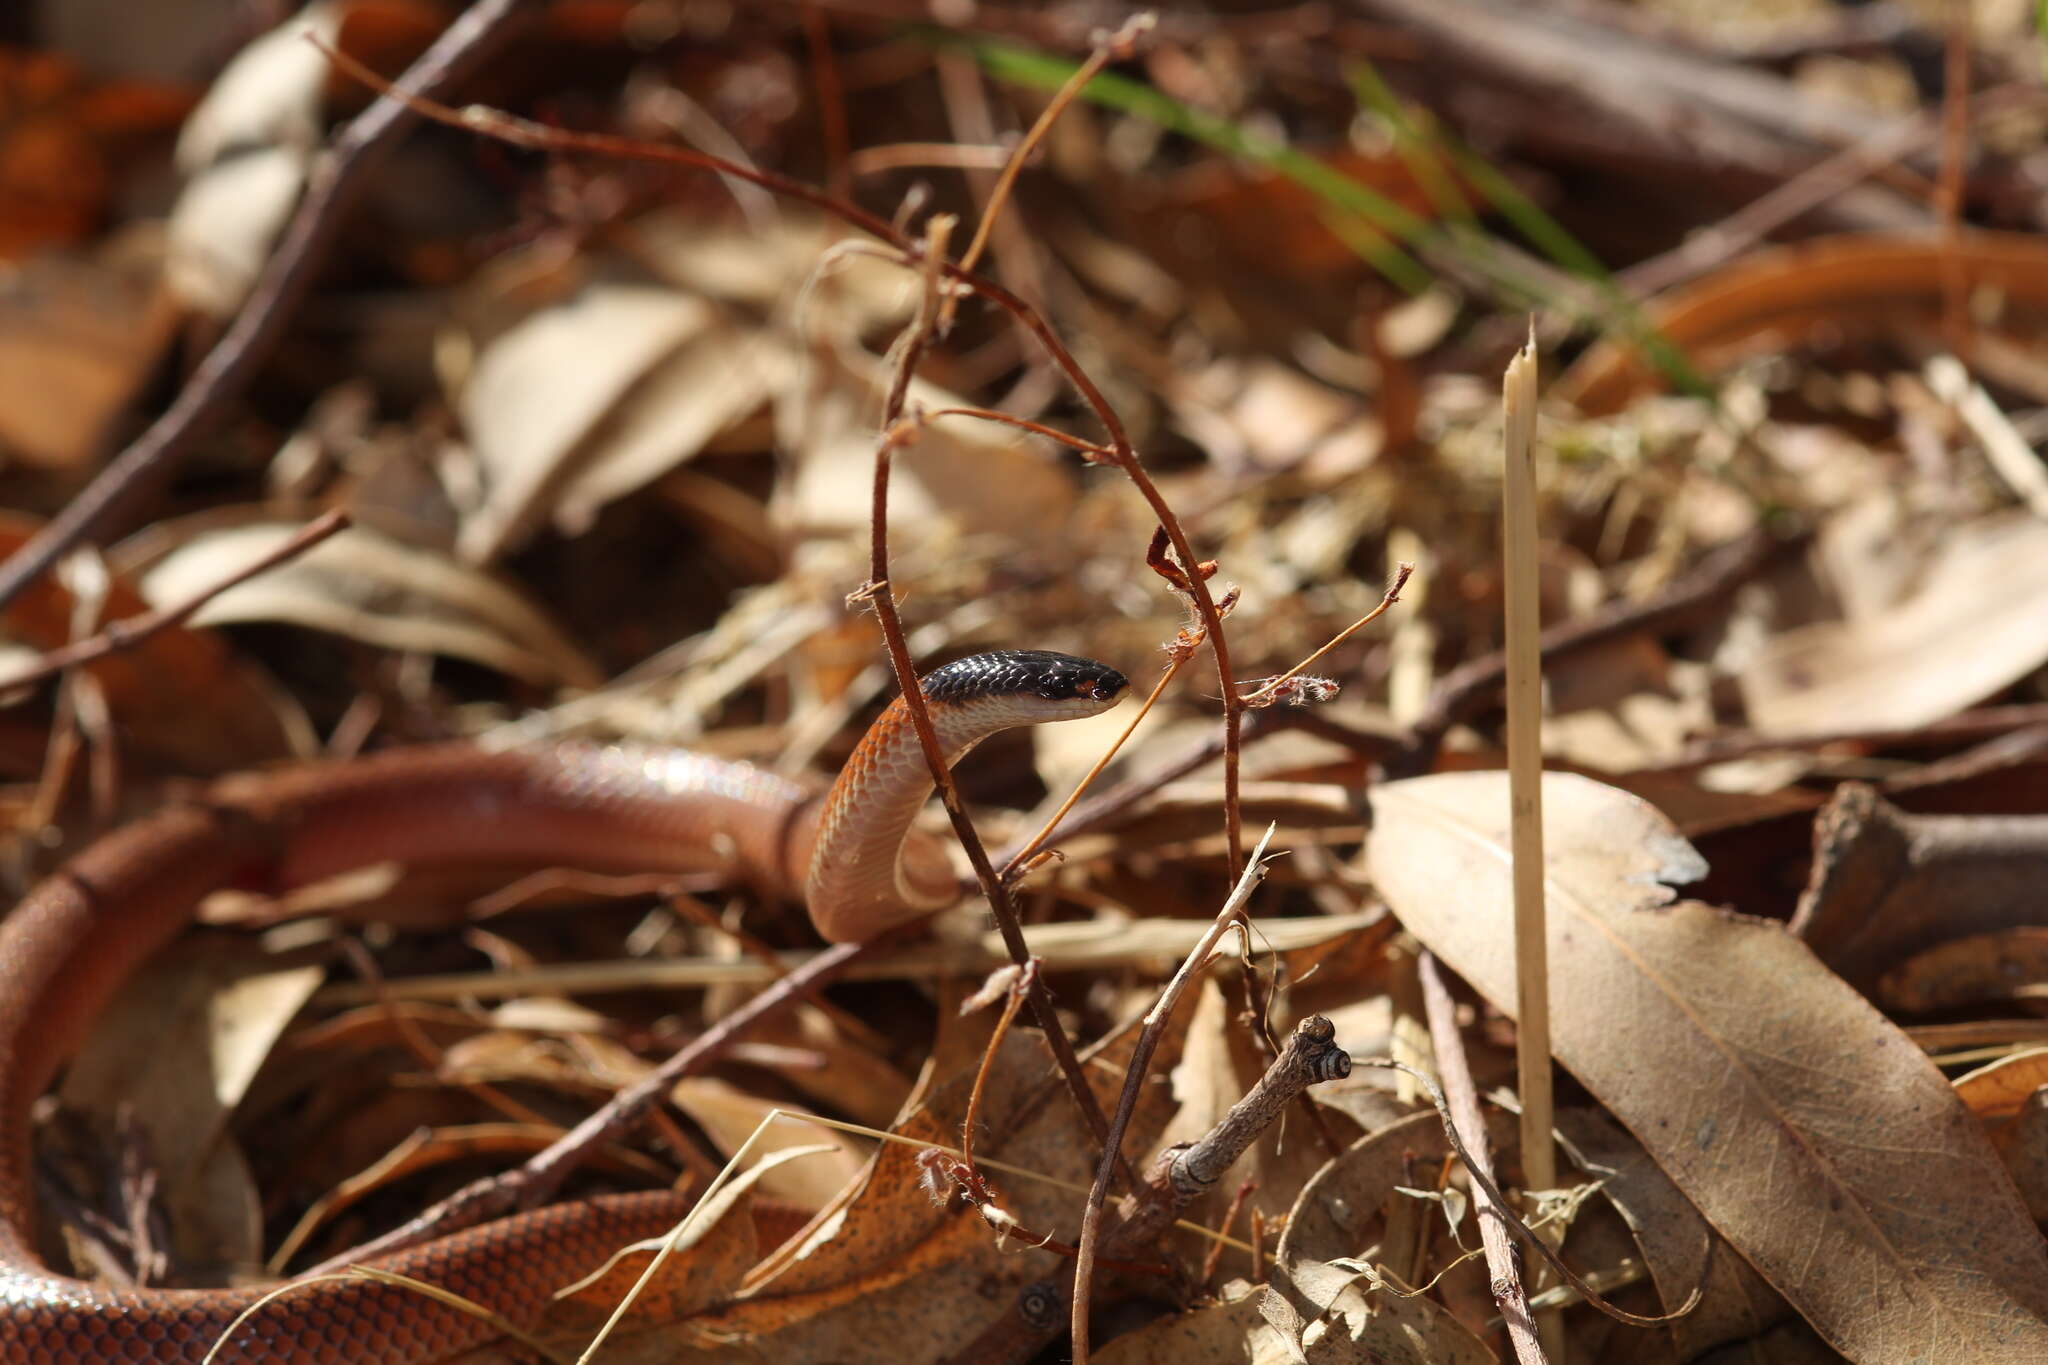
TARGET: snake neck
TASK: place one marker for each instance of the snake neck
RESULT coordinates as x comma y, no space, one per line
868,871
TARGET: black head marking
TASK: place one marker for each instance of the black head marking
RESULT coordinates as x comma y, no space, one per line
1023,672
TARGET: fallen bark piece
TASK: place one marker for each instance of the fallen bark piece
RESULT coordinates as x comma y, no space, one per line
1807,1129
1886,885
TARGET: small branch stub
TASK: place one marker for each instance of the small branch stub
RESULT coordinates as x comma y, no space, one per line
1311,1056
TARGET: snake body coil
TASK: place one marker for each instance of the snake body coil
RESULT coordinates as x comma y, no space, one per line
72,942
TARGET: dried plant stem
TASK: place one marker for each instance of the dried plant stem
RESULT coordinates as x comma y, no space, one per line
1955,152
1215,1256
1465,1120
127,634
1089,448
831,97
897,156
1014,997
1140,1064
1393,595
1108,48
1520,573
1015,862
1311,1056
336,179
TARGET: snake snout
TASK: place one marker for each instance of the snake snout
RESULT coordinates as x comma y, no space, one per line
1082,680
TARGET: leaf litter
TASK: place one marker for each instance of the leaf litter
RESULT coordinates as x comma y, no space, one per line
605,428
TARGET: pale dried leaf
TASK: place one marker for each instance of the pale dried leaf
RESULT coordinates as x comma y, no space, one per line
706,388
1331,1313
543,385
982,475
225,220
370,588
268,96
729,1117
1974,626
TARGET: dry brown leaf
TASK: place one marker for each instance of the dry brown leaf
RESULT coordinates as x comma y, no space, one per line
1973,626
1343,1209
78,338
984,476
1997,1090
1338,1211
706,1264
180,1045
1814,1135
581,390
1681,1250
2026,1153
371,588
1222,1334
888,1266
1967,971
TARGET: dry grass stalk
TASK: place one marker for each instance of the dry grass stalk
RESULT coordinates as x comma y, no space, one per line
1525,780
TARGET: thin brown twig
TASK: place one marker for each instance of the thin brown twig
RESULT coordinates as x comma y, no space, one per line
845,1020
1245,1191
414,1039
831,98
1955,152
1988,722
897,156
337,178
1107,47
1088,448
1014,996
1093,815
896,431
132,631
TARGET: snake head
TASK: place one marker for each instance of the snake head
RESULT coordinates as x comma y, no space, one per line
1037,684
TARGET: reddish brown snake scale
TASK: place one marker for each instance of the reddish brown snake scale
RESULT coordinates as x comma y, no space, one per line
71,943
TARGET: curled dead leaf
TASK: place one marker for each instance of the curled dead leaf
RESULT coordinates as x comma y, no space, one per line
1772,299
